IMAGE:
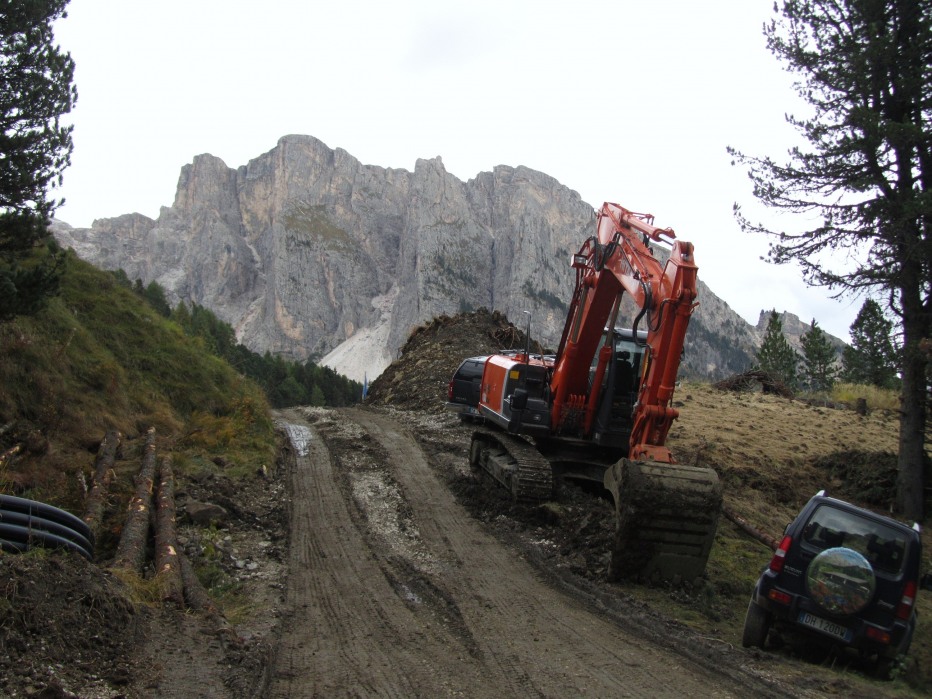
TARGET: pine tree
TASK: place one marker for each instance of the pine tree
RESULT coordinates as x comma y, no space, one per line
872,357
182,316
775,356
819,360
861,177
155,295
35,148
317,396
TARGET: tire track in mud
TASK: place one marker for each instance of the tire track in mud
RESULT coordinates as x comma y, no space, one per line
396,591
545,642
347,630
561,645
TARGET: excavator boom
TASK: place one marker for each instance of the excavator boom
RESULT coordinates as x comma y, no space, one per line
619,260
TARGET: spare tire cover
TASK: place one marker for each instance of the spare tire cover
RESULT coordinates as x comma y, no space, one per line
841,581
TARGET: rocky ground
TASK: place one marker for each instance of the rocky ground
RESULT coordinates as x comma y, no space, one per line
71,628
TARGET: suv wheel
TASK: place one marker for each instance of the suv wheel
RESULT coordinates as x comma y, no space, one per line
756,626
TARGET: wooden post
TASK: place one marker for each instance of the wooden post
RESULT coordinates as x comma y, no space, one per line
167,565
131,552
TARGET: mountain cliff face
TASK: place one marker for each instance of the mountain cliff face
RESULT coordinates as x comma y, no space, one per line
306,251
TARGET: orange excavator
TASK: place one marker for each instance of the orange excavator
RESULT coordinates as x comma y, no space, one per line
600,409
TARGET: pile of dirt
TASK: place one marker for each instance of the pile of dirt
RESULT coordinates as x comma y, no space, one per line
417,380
572,532
868,476
64,622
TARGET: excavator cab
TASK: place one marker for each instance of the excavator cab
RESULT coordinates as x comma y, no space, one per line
619,390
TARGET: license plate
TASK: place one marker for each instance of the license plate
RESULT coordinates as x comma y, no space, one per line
825,626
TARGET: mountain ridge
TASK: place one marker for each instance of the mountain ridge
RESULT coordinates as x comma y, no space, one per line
305,248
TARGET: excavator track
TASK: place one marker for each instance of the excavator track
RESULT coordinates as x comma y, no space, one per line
665,514
514,463
665,520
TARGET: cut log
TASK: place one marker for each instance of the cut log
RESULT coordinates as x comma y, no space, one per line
750,529
194,592
131,552
198,599
100,488
167,565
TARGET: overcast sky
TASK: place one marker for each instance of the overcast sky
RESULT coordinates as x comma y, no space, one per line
630,102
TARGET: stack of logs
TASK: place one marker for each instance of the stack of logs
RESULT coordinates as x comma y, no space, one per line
178,582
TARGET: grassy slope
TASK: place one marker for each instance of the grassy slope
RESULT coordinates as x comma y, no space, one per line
772,455
99,358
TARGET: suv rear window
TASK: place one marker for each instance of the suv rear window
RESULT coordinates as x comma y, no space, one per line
883,546
471,369
464,386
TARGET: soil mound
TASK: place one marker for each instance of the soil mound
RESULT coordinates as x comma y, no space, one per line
418,379
63,620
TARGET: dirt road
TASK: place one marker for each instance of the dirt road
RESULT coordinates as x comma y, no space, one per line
394,590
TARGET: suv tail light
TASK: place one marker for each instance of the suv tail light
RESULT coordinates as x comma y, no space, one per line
878,635
779,596
779,556
905,607
450,391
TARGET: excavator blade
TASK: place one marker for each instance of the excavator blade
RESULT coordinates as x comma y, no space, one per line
665,520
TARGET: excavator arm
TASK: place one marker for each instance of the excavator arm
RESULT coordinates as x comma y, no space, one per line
618,260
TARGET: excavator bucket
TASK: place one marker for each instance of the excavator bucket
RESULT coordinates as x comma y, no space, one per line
665,520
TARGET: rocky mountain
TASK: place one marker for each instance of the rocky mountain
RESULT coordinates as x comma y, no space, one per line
307,252
793,330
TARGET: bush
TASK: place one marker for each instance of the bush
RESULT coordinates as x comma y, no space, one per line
876,398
